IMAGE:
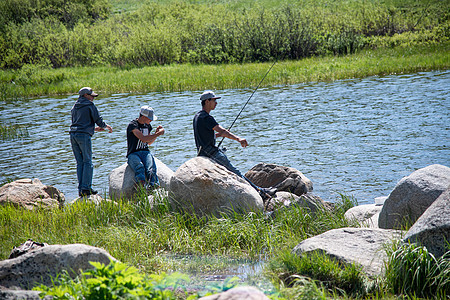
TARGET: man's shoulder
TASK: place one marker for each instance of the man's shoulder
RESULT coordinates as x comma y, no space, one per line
133,124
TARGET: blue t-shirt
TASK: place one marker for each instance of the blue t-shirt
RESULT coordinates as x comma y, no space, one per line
205,137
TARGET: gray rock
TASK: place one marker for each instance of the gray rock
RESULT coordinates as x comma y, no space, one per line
202,186
21,295
283,200
363,214
39,266
122,183
363,246
30,194
413,195
238,293
432,229
283,178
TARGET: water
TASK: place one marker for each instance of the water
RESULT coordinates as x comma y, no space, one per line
358,136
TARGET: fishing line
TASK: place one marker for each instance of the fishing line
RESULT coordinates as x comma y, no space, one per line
220,143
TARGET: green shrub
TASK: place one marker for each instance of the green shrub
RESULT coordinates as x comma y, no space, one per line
115,281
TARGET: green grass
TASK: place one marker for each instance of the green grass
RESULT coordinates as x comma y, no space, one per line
155,239
38,81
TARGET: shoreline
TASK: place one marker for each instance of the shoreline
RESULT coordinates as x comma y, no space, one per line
186,77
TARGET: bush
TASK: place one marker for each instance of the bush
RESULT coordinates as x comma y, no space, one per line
114,281
82,32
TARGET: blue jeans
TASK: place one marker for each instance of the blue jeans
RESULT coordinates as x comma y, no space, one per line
144,167
220,158
82,150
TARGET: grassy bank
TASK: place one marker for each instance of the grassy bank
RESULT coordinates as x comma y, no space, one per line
156,240
32,80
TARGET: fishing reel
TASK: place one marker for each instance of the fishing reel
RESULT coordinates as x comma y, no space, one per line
224,149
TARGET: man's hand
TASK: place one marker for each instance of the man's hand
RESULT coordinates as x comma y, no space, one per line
159,130
243,142
109,128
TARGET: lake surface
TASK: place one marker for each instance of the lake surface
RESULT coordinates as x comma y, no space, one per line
358,137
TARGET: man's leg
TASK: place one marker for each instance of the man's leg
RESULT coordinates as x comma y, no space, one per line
134,161
150,169
86,169
223,160
79,159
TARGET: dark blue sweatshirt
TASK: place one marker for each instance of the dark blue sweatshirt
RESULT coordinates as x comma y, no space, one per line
84,117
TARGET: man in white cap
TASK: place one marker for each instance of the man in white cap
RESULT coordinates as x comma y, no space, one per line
138,139
206,130
84,118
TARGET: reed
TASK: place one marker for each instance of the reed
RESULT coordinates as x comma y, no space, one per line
13,131
38,80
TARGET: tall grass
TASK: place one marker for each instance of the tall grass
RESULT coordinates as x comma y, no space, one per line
13,131
412,270
139,233
40,80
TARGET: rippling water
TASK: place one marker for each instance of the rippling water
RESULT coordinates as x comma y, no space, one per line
358,137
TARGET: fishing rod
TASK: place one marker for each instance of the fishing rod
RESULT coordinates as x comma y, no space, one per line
220,143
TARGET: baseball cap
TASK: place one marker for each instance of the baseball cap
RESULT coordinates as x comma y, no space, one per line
148,112
87,90
208,95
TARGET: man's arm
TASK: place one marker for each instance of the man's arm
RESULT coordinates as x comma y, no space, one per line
222,132
149,139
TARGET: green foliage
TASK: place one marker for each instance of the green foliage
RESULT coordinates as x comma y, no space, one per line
412,270
67,12
83,33
114,281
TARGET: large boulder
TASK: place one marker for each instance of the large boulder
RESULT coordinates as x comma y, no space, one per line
238,293
122,183
362,246
283,178
204,187
432,229
413,195
364,214
30,194
39,266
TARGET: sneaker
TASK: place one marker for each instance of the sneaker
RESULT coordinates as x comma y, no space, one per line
269,191
87,192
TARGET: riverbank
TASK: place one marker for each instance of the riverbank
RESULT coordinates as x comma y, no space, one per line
35,81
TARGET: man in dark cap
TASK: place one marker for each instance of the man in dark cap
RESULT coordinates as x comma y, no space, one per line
84,118
206,130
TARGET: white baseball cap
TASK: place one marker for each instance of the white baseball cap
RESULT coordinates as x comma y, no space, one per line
208,95
148,112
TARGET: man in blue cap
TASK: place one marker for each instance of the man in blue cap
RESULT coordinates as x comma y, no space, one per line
206,130
139,137
84,118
